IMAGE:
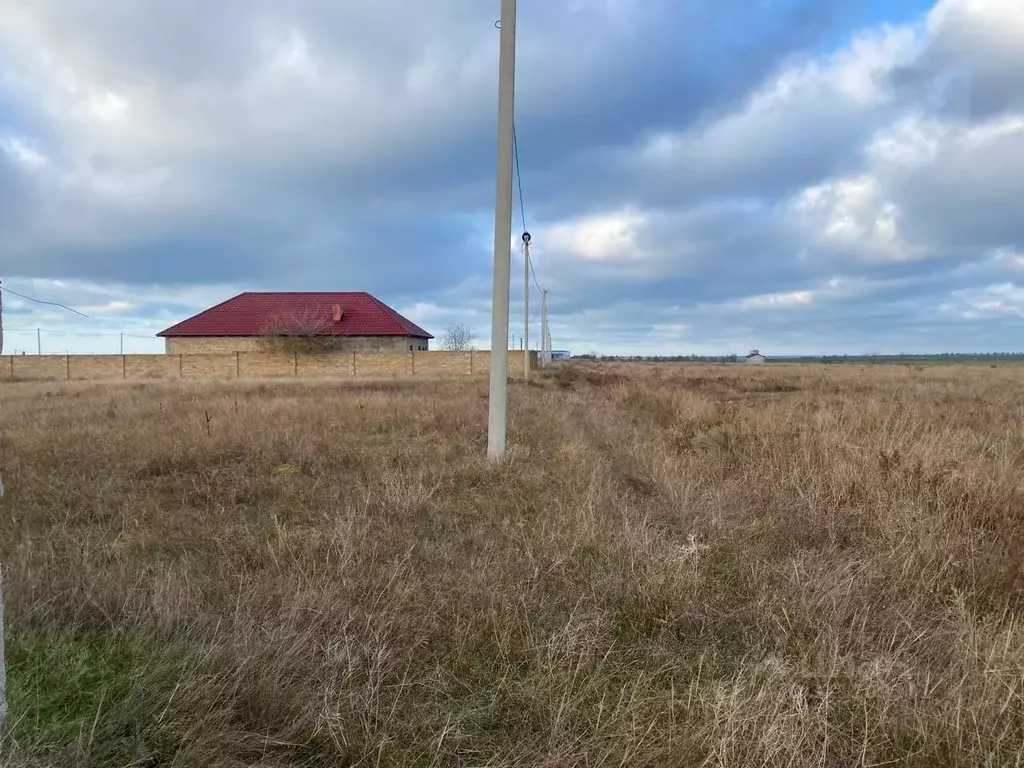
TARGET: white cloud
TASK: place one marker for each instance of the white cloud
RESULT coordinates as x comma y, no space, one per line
1008,258
1001,300
777,300
23,154
912,141
976,25
602,237
109,308
790,111
852,214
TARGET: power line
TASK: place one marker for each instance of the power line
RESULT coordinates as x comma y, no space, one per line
519,175
57,332
535,276
522,207
48,303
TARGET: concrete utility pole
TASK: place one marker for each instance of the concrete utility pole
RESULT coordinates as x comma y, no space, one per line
526,305
498,398
543,327
39,341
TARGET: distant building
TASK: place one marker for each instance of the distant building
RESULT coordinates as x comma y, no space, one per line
336,322
755,357
560,354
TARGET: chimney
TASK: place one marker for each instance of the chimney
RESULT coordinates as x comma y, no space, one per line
337,313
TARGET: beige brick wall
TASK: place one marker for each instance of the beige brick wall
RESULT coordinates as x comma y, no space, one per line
447,364
95,367
230,365
384,365
227,344
326,366
151,367
255,365
36,366
211,346
200,366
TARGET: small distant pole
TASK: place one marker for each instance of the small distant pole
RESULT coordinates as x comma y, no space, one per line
122,343
544,327
39,341
526,305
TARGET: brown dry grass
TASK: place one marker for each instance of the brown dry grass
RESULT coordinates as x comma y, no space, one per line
678,565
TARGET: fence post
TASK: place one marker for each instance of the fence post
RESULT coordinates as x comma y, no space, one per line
181,375
67,364
238,369
12,366
295,364
124,367
412,363
353,365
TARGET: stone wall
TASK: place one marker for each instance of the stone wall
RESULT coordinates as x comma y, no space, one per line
229,344
256,365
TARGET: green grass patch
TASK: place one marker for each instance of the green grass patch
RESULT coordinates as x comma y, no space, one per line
84,694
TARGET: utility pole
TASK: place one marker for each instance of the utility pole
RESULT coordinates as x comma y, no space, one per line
39,342
122,343
543,327
526,305
498,397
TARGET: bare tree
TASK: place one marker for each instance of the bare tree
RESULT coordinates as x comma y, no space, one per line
458,338
300,333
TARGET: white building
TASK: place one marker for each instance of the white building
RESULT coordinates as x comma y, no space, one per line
756,357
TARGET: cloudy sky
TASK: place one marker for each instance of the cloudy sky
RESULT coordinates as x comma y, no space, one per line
699,176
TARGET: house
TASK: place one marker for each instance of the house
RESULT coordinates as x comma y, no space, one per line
560,354
756,357
321,321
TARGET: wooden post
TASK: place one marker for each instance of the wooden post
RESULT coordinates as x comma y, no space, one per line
124,367
353,365
180,373
12,366
238,368
295,364
412,363
67,364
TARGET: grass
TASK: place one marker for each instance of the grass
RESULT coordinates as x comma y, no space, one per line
677,565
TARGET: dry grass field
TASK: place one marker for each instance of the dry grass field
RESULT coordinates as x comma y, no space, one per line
677,566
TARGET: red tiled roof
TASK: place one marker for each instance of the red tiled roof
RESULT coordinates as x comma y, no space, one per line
251,314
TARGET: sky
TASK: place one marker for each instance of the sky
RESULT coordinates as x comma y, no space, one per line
698,176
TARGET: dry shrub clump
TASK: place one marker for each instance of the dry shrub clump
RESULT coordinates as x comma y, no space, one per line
677,565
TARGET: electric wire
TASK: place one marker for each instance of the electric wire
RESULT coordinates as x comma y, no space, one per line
5,289
522,207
